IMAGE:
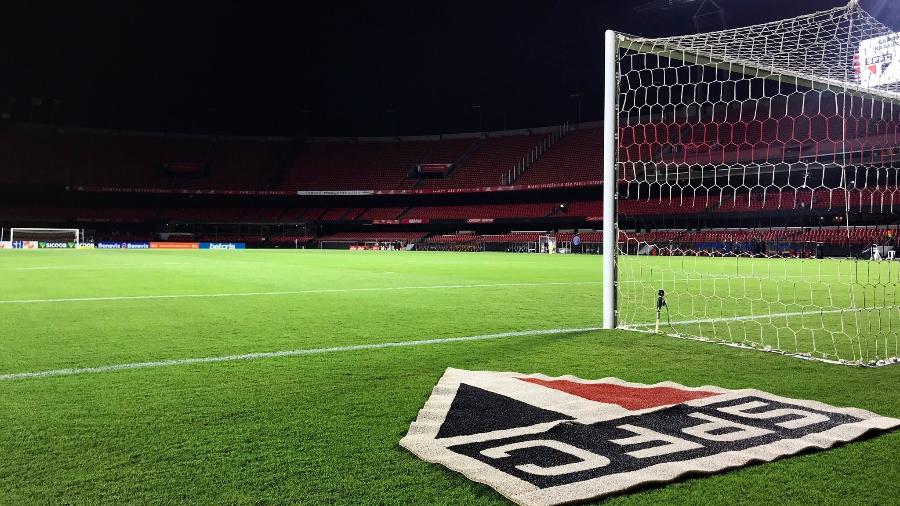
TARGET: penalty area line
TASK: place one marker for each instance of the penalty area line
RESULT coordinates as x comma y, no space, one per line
279,354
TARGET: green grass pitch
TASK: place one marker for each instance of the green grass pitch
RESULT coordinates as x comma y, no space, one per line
325,428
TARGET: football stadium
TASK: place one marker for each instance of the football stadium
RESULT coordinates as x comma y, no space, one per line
536,253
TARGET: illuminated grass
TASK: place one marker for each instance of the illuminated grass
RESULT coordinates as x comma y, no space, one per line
325,428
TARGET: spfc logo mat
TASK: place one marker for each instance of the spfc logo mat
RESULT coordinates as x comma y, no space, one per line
542,441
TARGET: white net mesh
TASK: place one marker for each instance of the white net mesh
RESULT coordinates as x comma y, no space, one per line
55,236
821,45
759,186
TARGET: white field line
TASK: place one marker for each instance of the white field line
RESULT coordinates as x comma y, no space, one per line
94,267
757,317
277,354
761,277
290,292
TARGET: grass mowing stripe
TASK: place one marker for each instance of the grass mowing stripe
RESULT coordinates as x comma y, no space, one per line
287,353
289,292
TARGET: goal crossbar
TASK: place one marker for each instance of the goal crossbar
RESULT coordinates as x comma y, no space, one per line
660,48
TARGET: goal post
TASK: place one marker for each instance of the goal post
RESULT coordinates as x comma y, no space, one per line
50,237
610,180
745,172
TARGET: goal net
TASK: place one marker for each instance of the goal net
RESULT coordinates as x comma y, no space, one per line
757,186
59,238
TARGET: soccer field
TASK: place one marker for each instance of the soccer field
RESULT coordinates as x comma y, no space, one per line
153,377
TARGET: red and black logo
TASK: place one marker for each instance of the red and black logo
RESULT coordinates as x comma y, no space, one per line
543,441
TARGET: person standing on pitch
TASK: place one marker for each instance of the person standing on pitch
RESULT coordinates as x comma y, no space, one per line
876,252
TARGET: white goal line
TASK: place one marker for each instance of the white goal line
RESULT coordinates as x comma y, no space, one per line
723,319
286,353
292,292
761,277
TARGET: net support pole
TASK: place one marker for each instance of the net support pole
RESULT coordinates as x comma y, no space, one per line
610,181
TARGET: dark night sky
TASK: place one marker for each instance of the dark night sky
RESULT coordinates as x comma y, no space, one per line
329,67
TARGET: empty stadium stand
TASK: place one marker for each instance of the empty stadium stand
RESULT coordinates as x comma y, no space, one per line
578,156
368,165
348,185
481,211
686,239
282,240
45,155
494,158
759,130
362,237
381,213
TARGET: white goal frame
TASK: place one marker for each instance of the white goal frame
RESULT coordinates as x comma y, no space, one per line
78,233
615,43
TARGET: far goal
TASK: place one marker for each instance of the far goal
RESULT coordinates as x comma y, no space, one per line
751,186
54,238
